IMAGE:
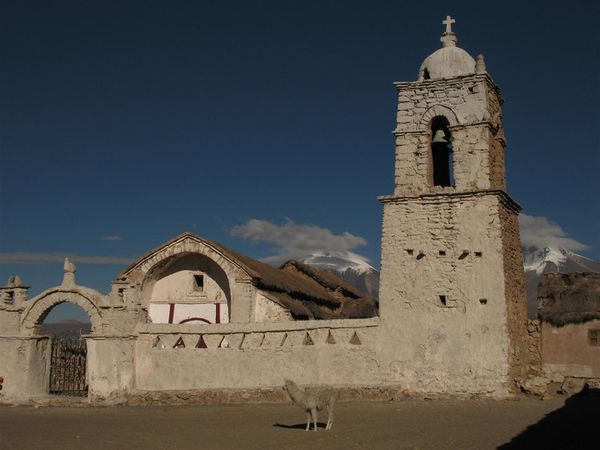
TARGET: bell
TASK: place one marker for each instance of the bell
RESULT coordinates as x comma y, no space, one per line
440,136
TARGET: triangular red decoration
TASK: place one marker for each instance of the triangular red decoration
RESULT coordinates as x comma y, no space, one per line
355,339
307,340
201,343
330,339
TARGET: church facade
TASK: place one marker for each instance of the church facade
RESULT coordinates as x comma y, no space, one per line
193,316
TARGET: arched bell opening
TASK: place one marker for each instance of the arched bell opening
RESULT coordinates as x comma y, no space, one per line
442,161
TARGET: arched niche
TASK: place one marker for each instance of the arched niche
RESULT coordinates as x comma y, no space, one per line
42,305
186,277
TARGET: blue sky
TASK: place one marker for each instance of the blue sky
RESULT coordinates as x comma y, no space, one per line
126,123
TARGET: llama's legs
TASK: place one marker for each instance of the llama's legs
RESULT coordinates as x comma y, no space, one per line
330,417
307,420
314,416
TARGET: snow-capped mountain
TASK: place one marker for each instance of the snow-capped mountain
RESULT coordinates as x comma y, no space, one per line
353,268
550,259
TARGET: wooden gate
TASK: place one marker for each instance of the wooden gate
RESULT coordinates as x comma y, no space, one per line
67,367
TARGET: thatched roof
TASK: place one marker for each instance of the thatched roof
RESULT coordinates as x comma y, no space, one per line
308,293
569,298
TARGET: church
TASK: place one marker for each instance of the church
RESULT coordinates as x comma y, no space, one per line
192,316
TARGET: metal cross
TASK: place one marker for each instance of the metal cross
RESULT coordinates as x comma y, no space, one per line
448,22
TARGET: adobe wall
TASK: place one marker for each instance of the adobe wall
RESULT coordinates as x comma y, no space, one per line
338,352
110,365
24,367
566,351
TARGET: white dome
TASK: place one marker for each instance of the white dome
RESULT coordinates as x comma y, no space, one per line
447,62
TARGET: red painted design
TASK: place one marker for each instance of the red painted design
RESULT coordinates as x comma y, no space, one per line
171,312
201,343
194,319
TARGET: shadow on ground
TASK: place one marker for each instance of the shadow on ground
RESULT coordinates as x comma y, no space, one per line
574,426
299,426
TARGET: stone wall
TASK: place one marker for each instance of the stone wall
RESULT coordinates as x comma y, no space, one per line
465,96
472,106
445,245
534,346
514,288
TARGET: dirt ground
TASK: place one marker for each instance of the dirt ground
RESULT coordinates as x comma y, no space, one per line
409,424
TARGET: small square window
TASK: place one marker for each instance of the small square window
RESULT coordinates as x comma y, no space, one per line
199,283
594,337
410,251
443,300
479,254
483,301
442,252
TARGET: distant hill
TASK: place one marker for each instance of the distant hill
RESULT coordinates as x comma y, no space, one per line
69,328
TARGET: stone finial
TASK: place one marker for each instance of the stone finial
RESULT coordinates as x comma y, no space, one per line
480,64
69,275
11,281
18,281
448,39
69,266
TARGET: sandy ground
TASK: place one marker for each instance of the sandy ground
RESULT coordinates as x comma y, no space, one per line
409,424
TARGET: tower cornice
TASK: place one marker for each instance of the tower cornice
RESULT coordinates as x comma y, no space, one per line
444,197
445,83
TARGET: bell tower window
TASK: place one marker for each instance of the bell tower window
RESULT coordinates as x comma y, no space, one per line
441,152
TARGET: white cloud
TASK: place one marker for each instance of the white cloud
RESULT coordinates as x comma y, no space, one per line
295,241
539,232
40,258
112,238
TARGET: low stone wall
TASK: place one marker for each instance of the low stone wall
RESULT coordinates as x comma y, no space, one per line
256,356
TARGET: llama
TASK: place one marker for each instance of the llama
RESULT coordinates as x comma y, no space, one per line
312,399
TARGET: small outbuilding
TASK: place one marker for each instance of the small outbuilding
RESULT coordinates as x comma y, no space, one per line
570,317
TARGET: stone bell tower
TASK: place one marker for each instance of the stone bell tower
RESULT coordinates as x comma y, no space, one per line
452,294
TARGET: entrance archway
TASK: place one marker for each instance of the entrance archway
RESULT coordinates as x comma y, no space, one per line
59,363
67,373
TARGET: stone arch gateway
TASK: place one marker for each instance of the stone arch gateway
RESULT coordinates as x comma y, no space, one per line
41,305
